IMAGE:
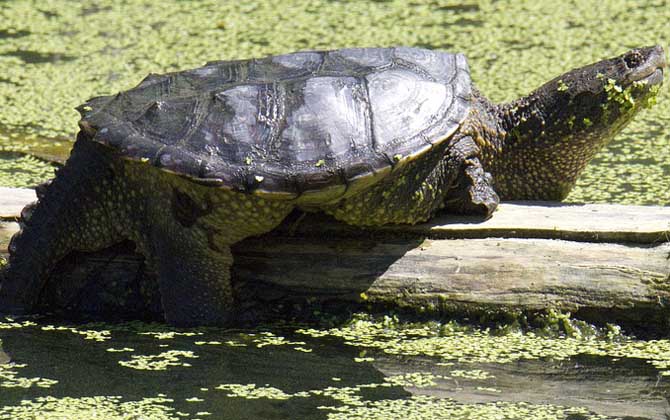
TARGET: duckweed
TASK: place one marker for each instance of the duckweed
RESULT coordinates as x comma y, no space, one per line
376,338
415,379
251,391
230,343
349,404
618,94
123,350
562,87
10,324
267,338
159,361
168,335
95,335
418,407
23,170
9,378
450,343
90,408
471,374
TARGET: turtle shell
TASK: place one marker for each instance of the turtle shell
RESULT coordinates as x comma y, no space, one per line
289,125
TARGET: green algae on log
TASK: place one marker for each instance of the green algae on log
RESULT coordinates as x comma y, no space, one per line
603,263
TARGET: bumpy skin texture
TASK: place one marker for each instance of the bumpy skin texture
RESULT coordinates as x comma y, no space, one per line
536,146
185,229
450,178
533,148
182,228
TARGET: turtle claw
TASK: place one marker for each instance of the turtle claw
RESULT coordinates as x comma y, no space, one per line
27,213
41,189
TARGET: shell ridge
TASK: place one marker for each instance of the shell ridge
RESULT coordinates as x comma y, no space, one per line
200,112
414,68
369,116
324,55
275,104
369,129
455,75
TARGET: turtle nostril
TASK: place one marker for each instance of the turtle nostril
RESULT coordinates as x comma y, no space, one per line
633,59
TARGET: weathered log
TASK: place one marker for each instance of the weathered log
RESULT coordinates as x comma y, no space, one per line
548,220
12,200
607,263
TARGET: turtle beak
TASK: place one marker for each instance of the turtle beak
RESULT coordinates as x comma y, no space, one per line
645,65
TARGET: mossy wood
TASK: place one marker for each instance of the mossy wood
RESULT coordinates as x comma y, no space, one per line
607,262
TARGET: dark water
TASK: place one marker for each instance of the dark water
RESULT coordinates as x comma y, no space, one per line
282,373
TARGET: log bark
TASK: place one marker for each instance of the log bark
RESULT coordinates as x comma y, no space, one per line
599,282
12,200
604,263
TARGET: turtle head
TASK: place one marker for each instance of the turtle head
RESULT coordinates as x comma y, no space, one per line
550,135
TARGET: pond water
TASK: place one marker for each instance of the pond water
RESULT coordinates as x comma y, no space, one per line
56,54
367,368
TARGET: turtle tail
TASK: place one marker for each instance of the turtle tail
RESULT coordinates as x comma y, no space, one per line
75,211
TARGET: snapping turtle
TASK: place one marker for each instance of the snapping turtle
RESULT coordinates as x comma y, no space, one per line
188,163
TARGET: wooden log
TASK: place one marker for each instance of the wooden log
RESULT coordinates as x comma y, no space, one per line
515,264
548,220
600,282
12,200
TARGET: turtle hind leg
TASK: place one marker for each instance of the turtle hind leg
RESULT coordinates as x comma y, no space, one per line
76,211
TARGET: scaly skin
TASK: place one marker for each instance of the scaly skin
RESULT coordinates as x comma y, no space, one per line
537,146
533,148
182,228
185,229
450,178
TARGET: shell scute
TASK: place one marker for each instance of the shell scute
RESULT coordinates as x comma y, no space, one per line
357,60
290,125
282,67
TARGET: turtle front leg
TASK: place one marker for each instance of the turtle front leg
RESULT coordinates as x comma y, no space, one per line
194,279
192,229
472,191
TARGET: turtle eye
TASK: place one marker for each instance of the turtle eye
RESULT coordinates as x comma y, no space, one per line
633,59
